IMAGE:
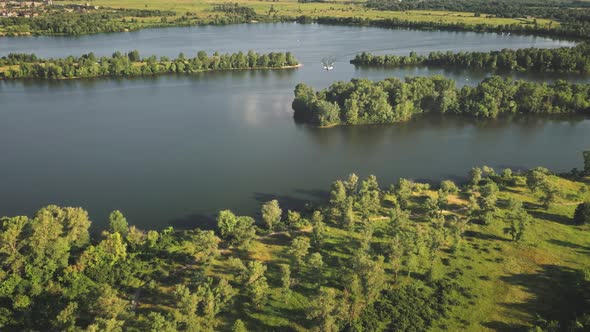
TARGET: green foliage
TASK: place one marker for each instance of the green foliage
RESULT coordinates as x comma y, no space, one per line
299,249
449,187
118,223
237,230
60,22
239,326
316,263
179,280
564,59
271,214
520,220
323,310
255,282
226,223
132,65
568,10
414,307
319,230
536,178
391,100
286,281
489,196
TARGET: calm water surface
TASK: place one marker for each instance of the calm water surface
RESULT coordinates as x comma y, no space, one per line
173,150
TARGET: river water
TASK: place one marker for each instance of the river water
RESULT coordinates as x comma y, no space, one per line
173,150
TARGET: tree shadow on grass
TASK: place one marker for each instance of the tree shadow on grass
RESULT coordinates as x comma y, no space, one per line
277,239
505,327
551,217
483,236
567,244
555,295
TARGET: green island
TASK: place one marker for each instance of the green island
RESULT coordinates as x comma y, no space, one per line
505,250
362,101
564,59
131,64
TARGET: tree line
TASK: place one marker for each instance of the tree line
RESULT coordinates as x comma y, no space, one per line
564,59
572,26
579,29
369,259
131,64
64,23
565,11
362,101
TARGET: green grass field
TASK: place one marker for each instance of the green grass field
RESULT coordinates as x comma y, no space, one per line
203,9
510,283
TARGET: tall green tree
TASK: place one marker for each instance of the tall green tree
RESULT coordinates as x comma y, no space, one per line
118,223
323,310
271,214
299,249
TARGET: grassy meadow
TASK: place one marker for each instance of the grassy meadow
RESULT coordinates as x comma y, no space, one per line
203,9
507,283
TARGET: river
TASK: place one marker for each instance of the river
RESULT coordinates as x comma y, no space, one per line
173,150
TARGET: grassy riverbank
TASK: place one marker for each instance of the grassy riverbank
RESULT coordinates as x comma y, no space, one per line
492,255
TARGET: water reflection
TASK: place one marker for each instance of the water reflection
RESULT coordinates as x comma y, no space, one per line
178,148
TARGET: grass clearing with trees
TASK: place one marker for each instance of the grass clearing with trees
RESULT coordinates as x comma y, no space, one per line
502,252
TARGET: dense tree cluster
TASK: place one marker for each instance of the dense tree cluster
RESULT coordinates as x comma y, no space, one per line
564,59
131,64
568,10
246,13
579,29
362,101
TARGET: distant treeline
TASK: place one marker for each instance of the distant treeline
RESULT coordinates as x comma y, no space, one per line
362,101
131,64
574,30
235,9
565,10
574,26
79,24
563,59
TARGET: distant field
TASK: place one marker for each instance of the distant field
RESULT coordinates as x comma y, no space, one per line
203,9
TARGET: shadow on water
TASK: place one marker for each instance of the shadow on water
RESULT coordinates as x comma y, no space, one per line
286,202
195,220
555,295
